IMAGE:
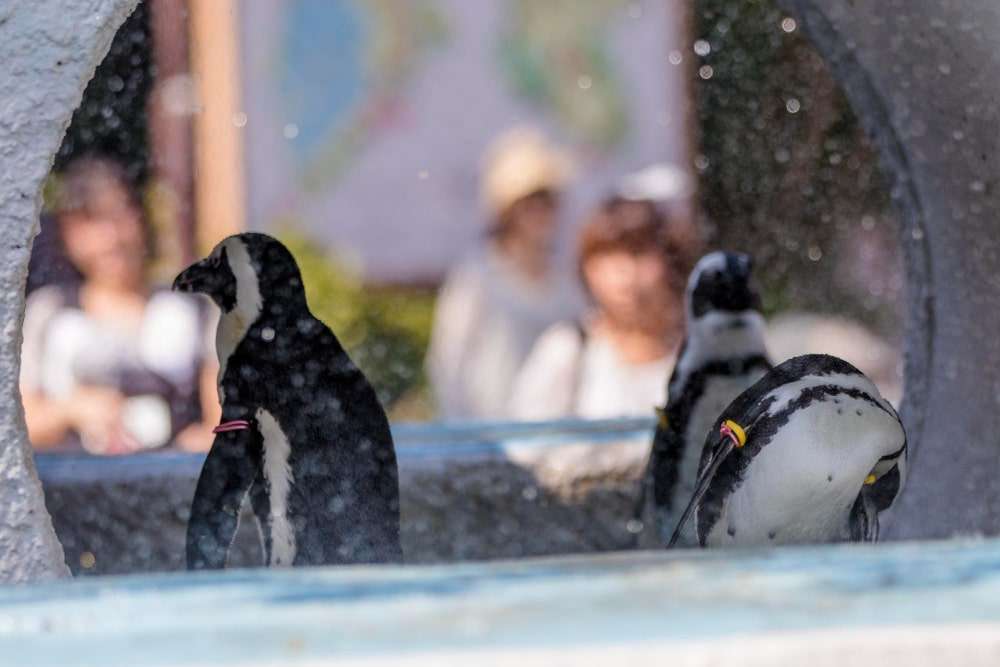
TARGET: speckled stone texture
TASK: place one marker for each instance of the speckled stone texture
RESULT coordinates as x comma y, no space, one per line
922,77
130,515
48,50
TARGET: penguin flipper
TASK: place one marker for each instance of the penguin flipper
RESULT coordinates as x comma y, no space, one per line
225,480
657,484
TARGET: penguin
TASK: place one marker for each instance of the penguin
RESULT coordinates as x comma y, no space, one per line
723,353
811,453
302,433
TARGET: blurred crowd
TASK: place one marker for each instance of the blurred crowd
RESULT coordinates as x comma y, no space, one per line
113,363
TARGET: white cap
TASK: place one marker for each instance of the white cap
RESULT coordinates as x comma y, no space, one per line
658,183
519,163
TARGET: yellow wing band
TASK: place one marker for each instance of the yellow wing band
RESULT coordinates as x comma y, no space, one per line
736,431
870,479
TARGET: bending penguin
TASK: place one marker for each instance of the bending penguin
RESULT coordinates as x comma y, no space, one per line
302,430
723,353
811,453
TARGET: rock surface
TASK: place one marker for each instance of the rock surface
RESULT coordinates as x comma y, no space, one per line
921,75
49,50
471,495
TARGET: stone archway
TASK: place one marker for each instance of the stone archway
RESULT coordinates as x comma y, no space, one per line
49,50
921,75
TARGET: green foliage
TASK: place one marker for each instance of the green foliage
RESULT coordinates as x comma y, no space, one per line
386,330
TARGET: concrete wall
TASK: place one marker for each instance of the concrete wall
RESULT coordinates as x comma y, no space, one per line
922,76
48,50
850,606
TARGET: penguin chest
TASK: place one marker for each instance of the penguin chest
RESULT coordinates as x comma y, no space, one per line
279,479
801,485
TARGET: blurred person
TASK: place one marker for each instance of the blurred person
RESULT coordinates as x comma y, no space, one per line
48,264
109,363
496,302
617,360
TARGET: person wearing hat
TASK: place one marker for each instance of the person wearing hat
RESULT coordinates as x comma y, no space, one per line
497,301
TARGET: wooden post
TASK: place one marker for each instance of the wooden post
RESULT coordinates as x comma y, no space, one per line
169,114
219,171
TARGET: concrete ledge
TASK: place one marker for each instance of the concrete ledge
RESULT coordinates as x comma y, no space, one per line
909,604
469,492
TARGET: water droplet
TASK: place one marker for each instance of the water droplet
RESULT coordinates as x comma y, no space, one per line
675,57
291,131
793,105
267,334
815,253
240,119
706,72
584,82
702,47
634,526
788,24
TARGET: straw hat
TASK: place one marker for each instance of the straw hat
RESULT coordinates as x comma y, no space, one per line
519,163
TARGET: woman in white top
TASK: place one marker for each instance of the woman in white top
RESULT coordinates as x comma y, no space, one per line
615,362
495,303
110,364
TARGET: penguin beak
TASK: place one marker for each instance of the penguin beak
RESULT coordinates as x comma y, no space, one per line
211,277
196,278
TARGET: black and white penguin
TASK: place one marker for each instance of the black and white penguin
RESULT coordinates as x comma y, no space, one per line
811,453
723,353
302,430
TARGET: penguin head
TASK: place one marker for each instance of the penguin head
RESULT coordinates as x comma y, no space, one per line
720,282
246,273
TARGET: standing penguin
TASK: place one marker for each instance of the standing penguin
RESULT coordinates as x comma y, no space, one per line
302,430
810,454
723,353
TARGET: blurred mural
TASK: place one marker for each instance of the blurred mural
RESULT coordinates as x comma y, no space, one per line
365,121
354,130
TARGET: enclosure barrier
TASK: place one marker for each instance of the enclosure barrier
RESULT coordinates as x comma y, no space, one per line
468,492
905,604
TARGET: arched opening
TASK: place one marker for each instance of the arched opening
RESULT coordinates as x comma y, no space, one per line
779,145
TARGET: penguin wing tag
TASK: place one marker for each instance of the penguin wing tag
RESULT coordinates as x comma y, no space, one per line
235,425
734,432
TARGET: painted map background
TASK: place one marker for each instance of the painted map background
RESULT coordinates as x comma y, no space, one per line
366,119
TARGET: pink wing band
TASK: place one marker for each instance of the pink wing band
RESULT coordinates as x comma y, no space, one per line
235,425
